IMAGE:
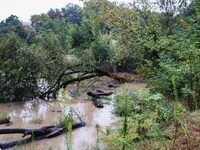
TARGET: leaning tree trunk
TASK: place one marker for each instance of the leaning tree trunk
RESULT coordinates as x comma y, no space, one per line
59,83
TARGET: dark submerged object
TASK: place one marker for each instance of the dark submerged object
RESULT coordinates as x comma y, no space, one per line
112,85
98,103
96,97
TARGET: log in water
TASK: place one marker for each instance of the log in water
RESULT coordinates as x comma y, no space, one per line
35,134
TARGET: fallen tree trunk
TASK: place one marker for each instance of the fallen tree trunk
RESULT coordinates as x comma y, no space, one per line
96,97
35,134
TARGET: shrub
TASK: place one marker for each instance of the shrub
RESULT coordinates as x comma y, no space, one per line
143,114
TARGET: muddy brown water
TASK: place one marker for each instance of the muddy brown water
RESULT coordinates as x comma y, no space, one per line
38,113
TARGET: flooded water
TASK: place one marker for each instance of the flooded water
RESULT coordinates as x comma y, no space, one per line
35,114
38,113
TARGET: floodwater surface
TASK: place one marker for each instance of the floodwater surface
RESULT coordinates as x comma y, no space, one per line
38,113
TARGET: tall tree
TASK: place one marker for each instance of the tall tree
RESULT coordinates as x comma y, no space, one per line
14,26
169,9
55,14
72,13
37,21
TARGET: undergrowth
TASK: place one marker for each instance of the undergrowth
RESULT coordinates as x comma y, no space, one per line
4,116
144,119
